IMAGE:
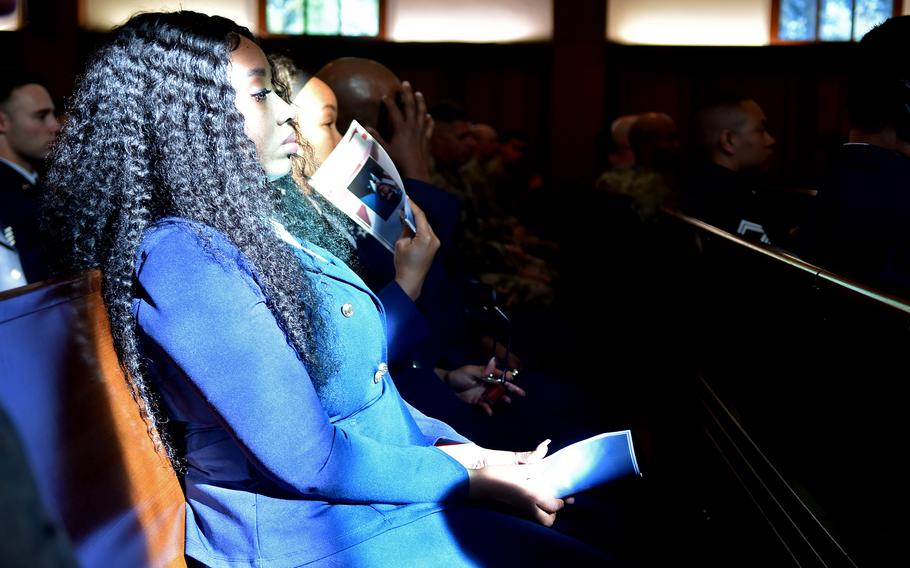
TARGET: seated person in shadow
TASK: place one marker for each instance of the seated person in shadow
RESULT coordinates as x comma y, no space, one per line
369,92
620,155
267,350
439,385
435,369
724,188
647,182
859,227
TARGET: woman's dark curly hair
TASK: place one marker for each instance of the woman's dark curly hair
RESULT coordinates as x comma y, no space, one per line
153,132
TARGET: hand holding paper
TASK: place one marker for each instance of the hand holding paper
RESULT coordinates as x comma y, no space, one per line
589,463
538,488
414,252
360,179
511,485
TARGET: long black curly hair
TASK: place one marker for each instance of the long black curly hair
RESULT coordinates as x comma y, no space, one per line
153,132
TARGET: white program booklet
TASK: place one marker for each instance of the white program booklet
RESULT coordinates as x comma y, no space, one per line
360,179
589,463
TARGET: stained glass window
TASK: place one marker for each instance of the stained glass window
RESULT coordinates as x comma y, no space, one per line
830,20
868,14
797,20
835,20
322,17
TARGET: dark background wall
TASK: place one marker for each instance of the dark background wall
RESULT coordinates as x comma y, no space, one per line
801,88
505,85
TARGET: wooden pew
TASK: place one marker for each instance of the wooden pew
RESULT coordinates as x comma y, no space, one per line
95,465
799,378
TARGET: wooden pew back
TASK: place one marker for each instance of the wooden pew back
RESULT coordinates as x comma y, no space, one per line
798,375
95,465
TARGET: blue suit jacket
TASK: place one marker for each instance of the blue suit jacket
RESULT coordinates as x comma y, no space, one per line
442,330
279,474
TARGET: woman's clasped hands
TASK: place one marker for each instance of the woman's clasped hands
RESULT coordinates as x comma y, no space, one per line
510,478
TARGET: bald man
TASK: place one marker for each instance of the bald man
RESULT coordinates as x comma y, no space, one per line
724,189
645,183
369,92
654,141
372,94
360,84
366,91
622,156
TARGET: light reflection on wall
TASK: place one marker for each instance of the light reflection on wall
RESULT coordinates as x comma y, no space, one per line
9,15
662,22
689,22
105,14
469,20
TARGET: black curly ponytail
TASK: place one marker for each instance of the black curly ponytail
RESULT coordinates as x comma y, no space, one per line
153,132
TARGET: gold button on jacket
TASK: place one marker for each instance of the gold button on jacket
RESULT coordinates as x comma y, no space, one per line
347,310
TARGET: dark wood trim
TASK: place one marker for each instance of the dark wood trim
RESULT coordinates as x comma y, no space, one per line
818,18
852,19
577,88
775,23
20,15
799,529
785,257
261,18
383,21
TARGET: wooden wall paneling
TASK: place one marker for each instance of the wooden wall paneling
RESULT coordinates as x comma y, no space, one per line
577,91
802,88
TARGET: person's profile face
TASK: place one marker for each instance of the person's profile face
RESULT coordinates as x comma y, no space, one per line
513,151
486,141
317,113
453,142
755,142
28,122
267,118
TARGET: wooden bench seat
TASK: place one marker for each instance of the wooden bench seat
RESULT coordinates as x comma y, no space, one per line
95,465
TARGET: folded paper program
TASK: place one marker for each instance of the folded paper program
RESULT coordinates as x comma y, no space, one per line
589,463
360,179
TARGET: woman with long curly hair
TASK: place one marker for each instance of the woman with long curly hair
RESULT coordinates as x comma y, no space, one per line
261,353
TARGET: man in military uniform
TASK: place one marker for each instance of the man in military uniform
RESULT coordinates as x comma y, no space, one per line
28,127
